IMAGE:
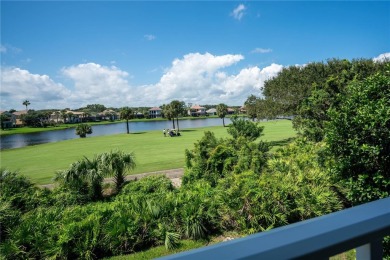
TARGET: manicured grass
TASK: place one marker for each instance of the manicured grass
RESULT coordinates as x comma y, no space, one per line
152,151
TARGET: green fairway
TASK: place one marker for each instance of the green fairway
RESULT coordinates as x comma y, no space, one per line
152,151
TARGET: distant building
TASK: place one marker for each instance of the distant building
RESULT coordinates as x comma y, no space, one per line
18,117
243,110
155,112
197,110
12,119
109,114
211,112
231,111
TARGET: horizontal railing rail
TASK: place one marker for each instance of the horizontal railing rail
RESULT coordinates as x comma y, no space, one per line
362,227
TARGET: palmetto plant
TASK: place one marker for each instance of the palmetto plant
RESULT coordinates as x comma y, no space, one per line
115,164
83,129
85,176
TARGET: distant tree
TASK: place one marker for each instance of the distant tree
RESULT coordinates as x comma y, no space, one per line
26,103
169,113
241,127
57,114
83,129
222,111
126,113
35,119
70,117
96,108
63,115
250,106
178,108
3,118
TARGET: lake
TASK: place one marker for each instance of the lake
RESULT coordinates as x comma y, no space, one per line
22,140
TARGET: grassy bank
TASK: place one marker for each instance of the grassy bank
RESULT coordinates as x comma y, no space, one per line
152,151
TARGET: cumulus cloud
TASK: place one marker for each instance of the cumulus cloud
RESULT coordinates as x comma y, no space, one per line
187,78
238,12
383,57
200,78
234,89
196,78
94,83
18,84
149,37
261,50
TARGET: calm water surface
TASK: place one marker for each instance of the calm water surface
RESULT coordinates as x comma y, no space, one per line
21,140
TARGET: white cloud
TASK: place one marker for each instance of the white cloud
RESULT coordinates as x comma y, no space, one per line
200,78
238,12
188,78
236,88
197,78
149,37
94,83
261,50
18,84
383,57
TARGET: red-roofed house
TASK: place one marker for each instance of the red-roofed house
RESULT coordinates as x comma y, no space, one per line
197,110
155,112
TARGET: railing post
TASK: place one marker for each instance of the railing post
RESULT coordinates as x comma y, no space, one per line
371,251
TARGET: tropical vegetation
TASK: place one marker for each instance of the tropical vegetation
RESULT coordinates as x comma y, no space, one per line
222,111
83,129
127,114
232,183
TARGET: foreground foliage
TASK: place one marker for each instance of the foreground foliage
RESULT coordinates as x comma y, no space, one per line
308,92
359,139
151,212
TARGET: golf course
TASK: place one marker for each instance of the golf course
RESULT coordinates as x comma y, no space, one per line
153,151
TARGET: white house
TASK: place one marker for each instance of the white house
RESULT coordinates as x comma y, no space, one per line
155,112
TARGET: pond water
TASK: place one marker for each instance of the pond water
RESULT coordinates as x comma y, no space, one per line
22,140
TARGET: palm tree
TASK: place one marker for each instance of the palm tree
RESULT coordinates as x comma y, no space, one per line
126,113
26,103
169,114
115,163
178,109
222,111
83,129
57,114
64,115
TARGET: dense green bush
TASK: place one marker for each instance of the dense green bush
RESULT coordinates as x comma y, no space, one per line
212,158
359,139
292,188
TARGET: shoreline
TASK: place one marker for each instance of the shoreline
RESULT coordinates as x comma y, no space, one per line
30,130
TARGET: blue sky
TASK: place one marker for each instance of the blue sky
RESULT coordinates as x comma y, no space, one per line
123,53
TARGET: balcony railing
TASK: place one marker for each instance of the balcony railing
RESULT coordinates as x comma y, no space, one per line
362,227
